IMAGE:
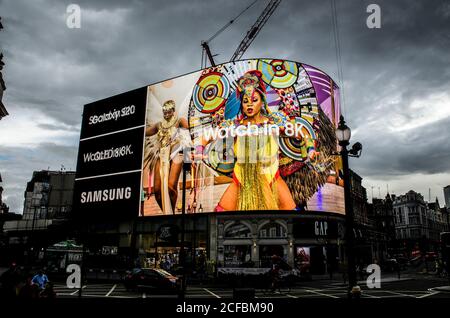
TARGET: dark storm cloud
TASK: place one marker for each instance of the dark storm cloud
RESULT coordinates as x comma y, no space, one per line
390,74
58,127
424,150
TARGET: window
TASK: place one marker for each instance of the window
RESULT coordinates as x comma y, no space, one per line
236,255
400,216
238,230
273,229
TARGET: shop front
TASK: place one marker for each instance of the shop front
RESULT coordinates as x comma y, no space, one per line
309,242
318,245
159,242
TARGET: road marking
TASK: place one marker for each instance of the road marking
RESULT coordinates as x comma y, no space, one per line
97,296
291,296
111,290
427,295
400,294
332,288
77,290
321,294
369,295
217,296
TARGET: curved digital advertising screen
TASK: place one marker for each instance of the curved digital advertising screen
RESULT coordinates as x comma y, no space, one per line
256,134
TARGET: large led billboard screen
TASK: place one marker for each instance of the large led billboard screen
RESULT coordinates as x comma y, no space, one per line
258,133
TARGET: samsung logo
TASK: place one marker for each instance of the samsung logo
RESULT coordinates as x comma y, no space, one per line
106,195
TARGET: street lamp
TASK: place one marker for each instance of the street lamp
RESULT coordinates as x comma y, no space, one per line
343,134
182,257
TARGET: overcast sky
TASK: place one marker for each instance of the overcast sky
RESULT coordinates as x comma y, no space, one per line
396,79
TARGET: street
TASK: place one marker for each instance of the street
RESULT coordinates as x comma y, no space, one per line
404,288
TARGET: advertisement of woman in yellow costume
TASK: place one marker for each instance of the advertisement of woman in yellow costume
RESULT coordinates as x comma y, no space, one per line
261,132
257,184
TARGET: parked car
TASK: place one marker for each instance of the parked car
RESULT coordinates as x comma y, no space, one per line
150,278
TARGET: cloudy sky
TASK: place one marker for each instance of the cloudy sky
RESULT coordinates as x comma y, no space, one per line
396,79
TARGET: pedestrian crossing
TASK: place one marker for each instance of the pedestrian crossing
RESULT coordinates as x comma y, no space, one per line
328,291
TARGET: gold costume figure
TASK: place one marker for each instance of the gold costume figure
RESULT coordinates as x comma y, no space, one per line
164,141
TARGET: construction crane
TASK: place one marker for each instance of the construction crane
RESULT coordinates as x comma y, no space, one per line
205,44
250,36
254,30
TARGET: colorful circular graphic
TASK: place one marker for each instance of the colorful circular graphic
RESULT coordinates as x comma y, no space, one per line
291,147
306,128
211,92
278,73
217,160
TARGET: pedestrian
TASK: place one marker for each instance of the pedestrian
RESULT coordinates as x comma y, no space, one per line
9,281
397,265
330,269
40,279
29,290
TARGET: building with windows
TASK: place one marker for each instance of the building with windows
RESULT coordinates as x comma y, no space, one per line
48,195
47,204
418,223
252,239
381,219
447,196
3,207
411,220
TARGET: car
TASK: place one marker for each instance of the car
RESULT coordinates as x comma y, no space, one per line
431,256
150,279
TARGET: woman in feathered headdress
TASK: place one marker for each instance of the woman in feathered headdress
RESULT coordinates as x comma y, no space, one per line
257,184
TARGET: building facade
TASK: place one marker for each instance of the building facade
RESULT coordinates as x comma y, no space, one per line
418,223
47,204
48,195
382,224
312,242
447,196
3,111
3,207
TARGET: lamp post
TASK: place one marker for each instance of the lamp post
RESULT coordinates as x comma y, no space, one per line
182,257
343,134
31,240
